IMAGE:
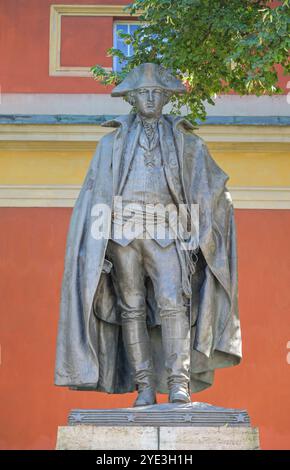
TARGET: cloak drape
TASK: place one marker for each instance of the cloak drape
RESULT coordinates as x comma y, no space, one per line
90,349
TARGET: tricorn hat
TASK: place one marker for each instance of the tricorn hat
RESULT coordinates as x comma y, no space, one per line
149,75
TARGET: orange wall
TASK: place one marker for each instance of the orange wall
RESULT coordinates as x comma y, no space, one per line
85,41
32,244
24,47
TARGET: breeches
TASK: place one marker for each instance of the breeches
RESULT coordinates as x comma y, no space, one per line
132,264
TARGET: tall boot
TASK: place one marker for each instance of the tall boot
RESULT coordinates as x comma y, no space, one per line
137,344
176,345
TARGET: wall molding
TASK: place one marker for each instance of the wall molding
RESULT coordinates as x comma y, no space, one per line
262,197
81,108
98,119
52,132
56,14
94,132
65,196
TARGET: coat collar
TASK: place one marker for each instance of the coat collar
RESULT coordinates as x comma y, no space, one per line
178,122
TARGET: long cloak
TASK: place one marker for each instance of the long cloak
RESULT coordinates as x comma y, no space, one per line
90,349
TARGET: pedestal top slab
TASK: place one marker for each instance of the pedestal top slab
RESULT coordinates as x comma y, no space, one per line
168,414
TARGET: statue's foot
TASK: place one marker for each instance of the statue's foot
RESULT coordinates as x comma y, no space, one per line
179,394
146,397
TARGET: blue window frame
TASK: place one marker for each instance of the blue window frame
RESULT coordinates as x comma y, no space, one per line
128,28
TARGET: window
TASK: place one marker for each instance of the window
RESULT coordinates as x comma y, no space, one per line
128,28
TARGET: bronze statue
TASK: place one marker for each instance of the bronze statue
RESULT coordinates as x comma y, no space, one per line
140,310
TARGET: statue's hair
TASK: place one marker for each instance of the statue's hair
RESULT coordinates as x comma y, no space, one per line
130,97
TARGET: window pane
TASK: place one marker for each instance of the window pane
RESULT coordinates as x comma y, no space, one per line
127,50
118,65
123,28
119,42
122,47
133,28
131,50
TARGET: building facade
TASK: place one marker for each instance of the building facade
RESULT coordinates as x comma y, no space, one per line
51,112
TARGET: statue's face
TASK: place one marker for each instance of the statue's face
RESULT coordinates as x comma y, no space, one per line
149,101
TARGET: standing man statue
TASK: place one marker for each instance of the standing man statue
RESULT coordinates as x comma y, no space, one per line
143,308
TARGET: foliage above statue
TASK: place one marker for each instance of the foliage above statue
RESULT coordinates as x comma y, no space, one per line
214,46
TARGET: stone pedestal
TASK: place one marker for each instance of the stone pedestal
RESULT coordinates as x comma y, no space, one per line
159,427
